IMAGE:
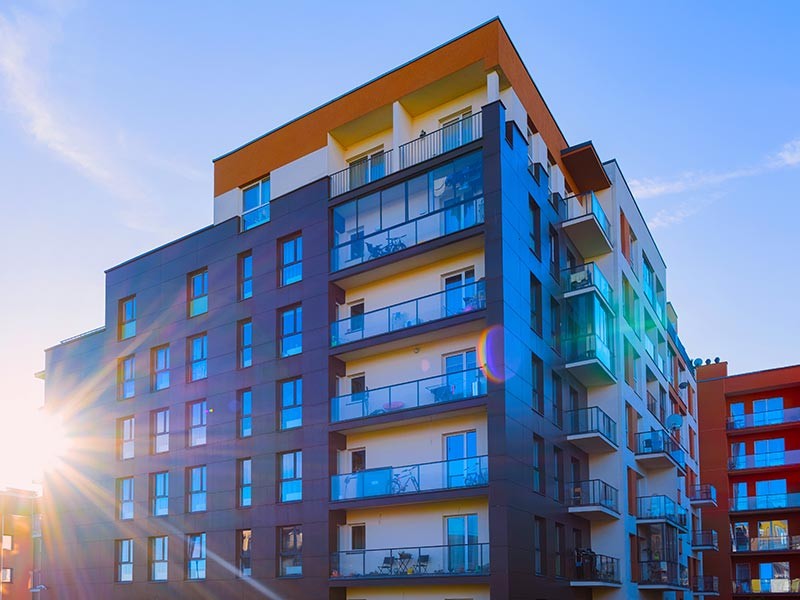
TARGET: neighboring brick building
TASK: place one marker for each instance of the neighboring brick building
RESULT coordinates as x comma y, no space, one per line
21,548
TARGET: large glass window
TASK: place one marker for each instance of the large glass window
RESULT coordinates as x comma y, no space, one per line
159,367
126,377
198,357
291,551
127,318
159,425
291,469
159,558
125,498
198,421
196,556
769,453
767,411
244,539
291,407
291,324
771,493
197,487
292,260
538,464
159,494
245,343
245,413
536,304
444,200
125,437
245,477
538,546
255,204
124,560
198,292
461,532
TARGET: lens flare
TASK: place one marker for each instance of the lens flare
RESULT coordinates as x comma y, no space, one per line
490,353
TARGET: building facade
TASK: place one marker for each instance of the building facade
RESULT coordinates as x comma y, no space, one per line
424,351
21,547
751,454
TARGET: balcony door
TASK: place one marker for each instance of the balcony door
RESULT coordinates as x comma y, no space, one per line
367,168
737,419
461,450
769,453
767,411
773,535
774,577
771,493
459,292
462,375
461,532
456,131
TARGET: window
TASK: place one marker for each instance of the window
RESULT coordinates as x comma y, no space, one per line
245,344
197,417
127,318
245,484
159,558
8,542
246,275
159,367
538,546
159,494
292,260
555,259
159,427
291,551
196,556
632,422
125,441
125,498
633,490
357,316
291,408
198,357
291,469
7,575
558,474
126,377
196,484
537,381
198,293
555,325
124,556
535,227
244,539
291,328
358,537
768,411
560,557
365,168
255,205
245,413
536,305
558,401
538,464
633,543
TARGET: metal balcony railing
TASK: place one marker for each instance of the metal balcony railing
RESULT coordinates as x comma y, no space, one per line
661,508
765,544
765,502
451,136
587,204
764,460
764,419
702,491
593,492
448,387
361,172
595,567
591,420
411,479
705,584
412,561
655,442
707,537
663,572
425,309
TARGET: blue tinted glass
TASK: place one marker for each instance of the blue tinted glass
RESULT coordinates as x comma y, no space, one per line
251,198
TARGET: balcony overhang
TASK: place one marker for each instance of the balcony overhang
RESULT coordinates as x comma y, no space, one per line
701,502
592,442
591,372
666,586
654,461
594,584
705,546
705,592
585,167
594,512
587,235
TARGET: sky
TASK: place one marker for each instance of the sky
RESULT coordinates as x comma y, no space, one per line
111,113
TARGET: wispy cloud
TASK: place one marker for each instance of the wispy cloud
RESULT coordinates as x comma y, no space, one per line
674,215
651,187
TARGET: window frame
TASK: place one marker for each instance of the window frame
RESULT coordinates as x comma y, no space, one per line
244,413
198,563
296,384
124,442
155,484
292,551
125,501
160,377
156,433
197,303
296,476
244,482
245,275
296,241
262,205
126,319
244,548
158,556
244,343
197,366
123,560
200,493
195,427
296,311
126,377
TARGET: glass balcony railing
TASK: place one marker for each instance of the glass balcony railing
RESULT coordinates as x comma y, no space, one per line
433,307
705,538
765,502
588,347
361,172
451,136
649,346
448,387
596,567
705,584
586,276
765,418
702,492
779,543
661,508
593,492
764,460
663,572
764,586
411,479
656,442
412,561
587,204
591,420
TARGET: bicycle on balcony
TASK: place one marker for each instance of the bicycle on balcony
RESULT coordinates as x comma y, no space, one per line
401,480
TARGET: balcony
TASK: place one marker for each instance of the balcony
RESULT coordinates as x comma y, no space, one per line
411,479
587,278
453,560
660,509
779,544
594,500
451,136
595,570
703,494
655,406
663,575
659,450
766,502
705,585
771,418
592,430
765,460
405,315
430,391
361,172
705,540
587,225
590,359
433,205
759,587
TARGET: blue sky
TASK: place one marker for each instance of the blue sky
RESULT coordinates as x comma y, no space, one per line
110,114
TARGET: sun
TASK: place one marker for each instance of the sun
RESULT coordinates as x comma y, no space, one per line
32,442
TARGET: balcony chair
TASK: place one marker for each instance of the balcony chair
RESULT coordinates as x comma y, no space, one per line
421,566
387,566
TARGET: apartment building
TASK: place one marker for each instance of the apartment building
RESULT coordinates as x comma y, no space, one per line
423,351
751,454
21,547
